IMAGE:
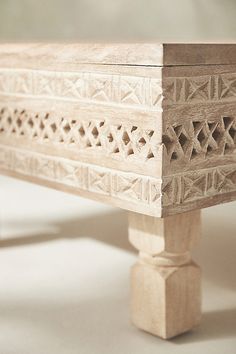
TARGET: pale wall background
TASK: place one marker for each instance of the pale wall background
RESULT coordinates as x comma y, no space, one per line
64,260
164,20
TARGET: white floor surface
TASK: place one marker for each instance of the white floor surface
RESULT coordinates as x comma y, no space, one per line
64,275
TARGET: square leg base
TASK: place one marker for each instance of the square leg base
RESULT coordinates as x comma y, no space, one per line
165,301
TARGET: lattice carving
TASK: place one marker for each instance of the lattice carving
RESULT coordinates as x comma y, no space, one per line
200,139
107,182
120,141
125,90
205,88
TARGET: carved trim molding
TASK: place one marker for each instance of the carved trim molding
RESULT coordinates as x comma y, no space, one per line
144,190
108,182
195,185
199,89
123,90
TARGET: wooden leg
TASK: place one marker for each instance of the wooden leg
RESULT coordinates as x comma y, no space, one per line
165,282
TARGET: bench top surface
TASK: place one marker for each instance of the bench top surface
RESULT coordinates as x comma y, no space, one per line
152,54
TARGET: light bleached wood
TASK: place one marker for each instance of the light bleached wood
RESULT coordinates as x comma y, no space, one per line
92,131
199,124
59,55
99,183
86,132
173,124
199,137
165,282
150,128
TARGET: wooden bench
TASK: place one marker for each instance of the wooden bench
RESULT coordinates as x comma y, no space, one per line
149,128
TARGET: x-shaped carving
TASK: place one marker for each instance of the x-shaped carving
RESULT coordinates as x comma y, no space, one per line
228,87
193,89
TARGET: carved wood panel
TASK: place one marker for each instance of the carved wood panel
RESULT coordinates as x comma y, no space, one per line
123,140
200,89
153,144
200,139
124,90
141,190
199,120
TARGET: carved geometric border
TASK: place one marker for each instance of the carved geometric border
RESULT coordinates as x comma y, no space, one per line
108,182
143,190
175,190
124,90
192,186
199,89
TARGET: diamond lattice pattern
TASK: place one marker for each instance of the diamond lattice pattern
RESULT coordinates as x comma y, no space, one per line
200,139
124,141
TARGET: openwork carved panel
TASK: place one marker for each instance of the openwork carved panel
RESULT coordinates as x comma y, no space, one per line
122,141
200,139
155,137
122,90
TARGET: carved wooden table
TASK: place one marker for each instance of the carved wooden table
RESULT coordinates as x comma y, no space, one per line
149,128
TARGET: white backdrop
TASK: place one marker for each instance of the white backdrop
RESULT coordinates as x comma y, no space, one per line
163,20
64,261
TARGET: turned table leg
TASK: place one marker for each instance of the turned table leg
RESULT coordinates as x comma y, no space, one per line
165,282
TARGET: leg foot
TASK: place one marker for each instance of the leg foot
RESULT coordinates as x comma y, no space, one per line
165,282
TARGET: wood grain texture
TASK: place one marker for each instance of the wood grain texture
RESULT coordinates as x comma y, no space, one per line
165,282
58,55
84,132
112,186
149,128
199,137
179,54
173,126
61,55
